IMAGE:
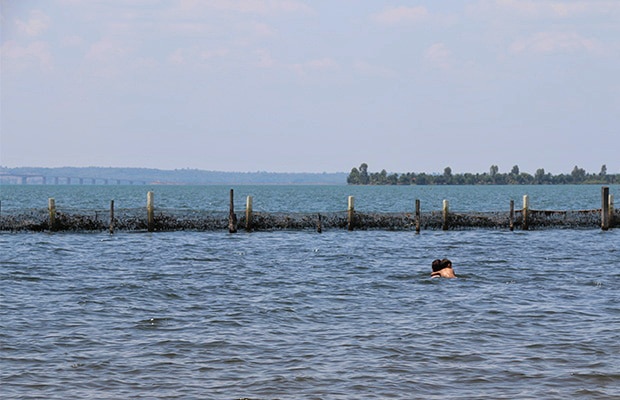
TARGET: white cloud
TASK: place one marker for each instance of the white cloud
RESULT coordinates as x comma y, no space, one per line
143,63
555,42
398,15
36,54
185,28
321,64
177,57
107,58
438,55
212,54
368,69
72,41
36,24
260,29
105,50
245,33
249,6
195,56
264,59
556,9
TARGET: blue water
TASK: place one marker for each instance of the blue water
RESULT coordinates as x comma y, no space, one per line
290,198
297,314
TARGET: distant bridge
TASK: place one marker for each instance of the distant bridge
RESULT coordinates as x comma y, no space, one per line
37,179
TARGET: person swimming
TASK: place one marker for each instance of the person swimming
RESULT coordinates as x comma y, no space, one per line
442,269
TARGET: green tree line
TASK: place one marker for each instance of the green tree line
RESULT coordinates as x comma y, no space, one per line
361,176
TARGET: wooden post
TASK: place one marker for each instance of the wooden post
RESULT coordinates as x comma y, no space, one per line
232,218
605,208
319,227
248,214
150,212
51,206
446,211
526,217
611,211
511,221
111,217
417,215
350,213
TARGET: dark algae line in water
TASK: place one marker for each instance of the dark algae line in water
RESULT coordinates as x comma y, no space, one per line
59,217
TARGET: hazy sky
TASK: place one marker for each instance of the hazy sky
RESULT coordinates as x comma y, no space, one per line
311,86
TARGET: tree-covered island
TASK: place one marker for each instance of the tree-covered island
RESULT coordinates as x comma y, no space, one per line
361,176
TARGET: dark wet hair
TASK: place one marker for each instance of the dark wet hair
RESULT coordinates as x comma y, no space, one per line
438,264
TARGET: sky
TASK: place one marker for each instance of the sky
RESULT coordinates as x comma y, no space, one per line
311,86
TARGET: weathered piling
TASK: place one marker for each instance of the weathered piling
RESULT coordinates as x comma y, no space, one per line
417,216
611,211
351,214
248,214
526,214
51,207
232,217
605,208
111,217
445,213
604,217
511,221
150,212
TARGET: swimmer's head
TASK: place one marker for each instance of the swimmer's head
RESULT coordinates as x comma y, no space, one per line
442,268
438,264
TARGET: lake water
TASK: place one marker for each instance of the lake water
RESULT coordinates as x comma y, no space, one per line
302,315
290,198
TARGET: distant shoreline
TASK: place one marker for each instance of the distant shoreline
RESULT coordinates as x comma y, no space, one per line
578,176
180,177
152,176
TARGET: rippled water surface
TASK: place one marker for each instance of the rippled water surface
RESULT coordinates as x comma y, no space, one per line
290,198
297,314
307,315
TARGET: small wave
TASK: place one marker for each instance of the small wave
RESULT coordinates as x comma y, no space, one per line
596,378
153,323
19,276
200,259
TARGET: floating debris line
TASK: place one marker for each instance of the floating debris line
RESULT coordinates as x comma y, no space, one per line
152,218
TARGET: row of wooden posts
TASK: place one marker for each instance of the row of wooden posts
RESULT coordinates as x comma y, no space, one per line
607,210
